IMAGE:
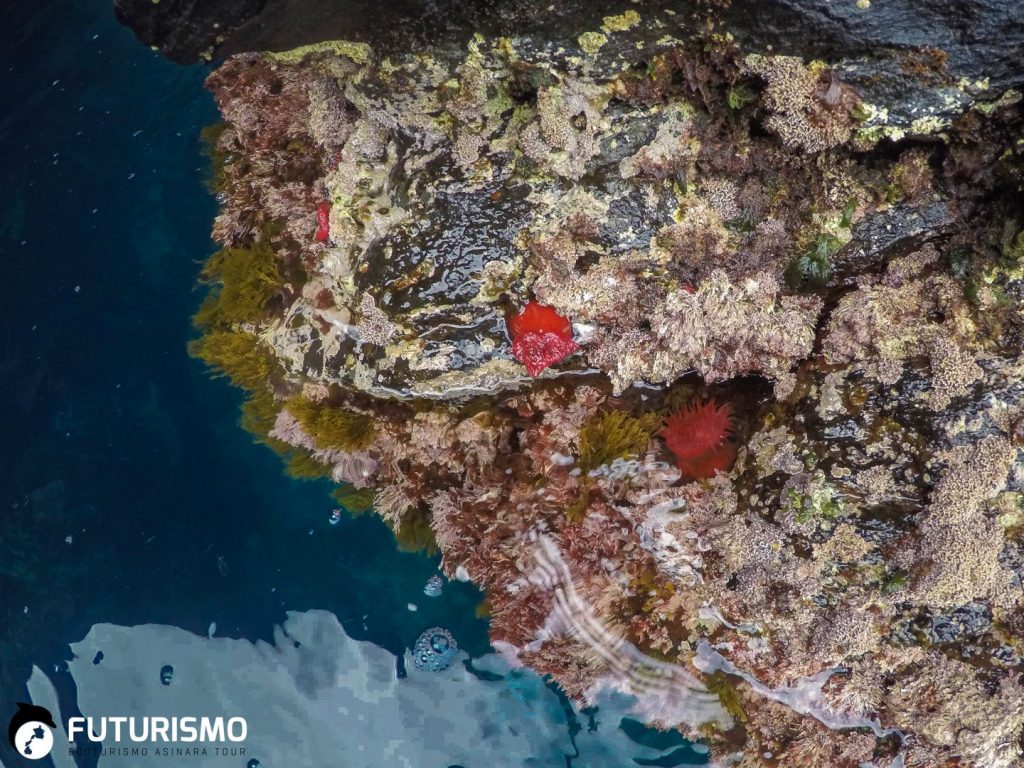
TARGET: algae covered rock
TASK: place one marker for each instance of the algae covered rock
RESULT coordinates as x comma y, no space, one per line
729,229
419,199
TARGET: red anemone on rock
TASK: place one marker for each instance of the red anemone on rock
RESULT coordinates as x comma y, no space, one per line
540,337
701,437
323,221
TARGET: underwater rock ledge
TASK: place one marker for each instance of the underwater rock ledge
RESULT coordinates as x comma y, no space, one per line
768,476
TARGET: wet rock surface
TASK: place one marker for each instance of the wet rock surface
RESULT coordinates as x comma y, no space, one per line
976,38
773,489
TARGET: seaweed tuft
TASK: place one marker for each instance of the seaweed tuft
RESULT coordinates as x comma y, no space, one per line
240,356
332,427
615,435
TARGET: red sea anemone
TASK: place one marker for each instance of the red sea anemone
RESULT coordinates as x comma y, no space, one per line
701,437
540,337
323,221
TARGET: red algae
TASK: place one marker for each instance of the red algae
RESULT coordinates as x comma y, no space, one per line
701,437
323,221
540,337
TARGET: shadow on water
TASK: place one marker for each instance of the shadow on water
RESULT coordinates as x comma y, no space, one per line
128,492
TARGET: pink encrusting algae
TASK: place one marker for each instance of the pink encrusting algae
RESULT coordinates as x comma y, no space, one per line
540,337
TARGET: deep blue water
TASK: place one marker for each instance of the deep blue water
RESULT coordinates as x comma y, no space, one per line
129,493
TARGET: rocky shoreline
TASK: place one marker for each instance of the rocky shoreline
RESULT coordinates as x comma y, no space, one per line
824,252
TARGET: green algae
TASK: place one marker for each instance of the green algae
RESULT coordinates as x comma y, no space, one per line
1011,243
414,533
739,96
238,355
259,415
301,465
209,138
813,267
355,501
247,279
331,427
817,506
894,582
576,510
605,438
680,393
648,591
615,435
728,694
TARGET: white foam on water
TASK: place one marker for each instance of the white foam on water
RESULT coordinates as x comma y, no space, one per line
666,693
803,697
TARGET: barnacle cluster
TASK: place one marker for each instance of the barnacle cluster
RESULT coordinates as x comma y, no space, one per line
719,405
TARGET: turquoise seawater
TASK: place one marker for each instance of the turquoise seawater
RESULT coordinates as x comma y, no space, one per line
129,493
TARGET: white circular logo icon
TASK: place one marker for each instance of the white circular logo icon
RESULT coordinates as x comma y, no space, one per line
34,740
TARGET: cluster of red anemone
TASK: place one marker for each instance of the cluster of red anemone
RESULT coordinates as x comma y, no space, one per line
701,435
540,337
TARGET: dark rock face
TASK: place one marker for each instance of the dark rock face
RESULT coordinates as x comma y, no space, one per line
186,31
182,29
973,38
977,38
